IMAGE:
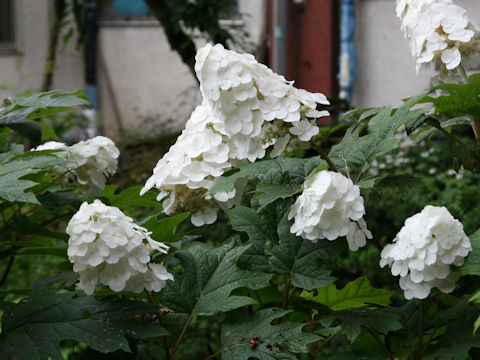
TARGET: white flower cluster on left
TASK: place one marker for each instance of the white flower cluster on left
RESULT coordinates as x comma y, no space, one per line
246,109
87,162
423,251
439,31
330,207
106,245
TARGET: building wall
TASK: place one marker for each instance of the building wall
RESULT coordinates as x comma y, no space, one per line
23,70
386,69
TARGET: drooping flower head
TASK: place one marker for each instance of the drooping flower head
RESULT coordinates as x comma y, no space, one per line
330,207
246,109
106,245
439,32
423,251
88,163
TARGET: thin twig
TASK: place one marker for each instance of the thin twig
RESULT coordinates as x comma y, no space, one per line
180,337
320,347
428,341
210,357
453,136
359,177
376,244
259,299
390,355
324,156
476,127
7,270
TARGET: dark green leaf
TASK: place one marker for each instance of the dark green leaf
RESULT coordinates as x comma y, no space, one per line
260,227
34,329
299,257
269,170
355,294
400,184
268,193
274,341
164,230
209,276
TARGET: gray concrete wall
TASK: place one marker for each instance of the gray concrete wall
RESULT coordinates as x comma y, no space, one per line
386,69
24,69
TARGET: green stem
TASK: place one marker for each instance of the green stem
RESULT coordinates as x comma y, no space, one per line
287,290
476,127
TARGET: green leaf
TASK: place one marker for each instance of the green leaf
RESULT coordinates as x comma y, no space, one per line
129,198
299,258
380,321
274,341
209,276
355,294
269,170
363,150
400,184
12,186
462,99
260,227
164,230
19,115
472,262
267,193
455,343
48,133
34,329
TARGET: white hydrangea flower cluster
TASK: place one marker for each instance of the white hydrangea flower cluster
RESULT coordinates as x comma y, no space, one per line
87,162
246,109
330,207
439,31
423,251
106,245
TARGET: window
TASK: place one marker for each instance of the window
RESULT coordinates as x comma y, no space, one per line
7,24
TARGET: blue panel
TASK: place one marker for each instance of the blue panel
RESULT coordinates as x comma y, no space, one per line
348,57
131,7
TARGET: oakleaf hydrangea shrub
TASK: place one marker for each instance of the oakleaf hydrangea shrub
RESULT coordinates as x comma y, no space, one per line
292,273
105,245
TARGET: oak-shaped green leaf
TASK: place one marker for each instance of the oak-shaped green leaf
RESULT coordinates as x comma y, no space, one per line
299,258
12,186
261,228
269,341
270,172
462,99
357,293
209,275
34,329
362,150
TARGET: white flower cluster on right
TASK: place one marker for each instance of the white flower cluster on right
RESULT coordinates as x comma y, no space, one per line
423,251
246,109
106,245
330,207
88,162
439,31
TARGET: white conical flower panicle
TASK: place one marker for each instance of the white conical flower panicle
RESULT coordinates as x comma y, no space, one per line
106,246
439,32
423,251
330,207
246,109
88,163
